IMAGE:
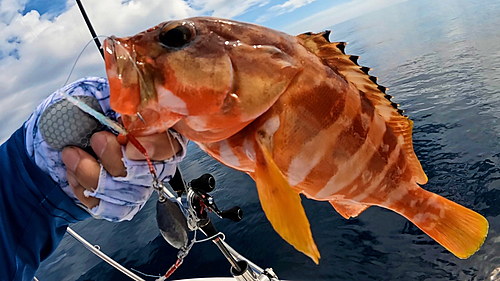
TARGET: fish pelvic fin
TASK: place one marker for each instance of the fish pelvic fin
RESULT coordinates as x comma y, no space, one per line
460,230
282,205
333,55
348,208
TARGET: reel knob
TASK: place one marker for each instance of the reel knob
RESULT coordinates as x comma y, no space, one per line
205,183
235,214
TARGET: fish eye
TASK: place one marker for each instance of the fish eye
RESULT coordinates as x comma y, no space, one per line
178,36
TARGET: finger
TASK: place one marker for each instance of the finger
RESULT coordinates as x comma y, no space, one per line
109,152
160,147
83,167
71,178
89,202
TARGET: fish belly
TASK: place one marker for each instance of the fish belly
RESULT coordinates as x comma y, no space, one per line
334,145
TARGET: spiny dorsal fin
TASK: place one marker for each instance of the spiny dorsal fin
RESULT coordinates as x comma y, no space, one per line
333,54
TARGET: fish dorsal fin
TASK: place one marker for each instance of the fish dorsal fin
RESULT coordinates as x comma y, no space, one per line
333,55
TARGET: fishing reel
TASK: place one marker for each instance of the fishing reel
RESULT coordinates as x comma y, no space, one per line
176,216
195,216
201,201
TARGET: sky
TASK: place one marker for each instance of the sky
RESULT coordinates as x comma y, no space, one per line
40,40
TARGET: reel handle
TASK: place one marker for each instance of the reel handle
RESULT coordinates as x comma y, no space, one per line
235,214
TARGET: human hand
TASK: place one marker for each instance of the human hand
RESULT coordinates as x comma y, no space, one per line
116,185
83,170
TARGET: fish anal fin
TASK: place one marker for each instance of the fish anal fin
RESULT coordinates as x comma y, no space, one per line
282,205
460,230
348,208
333,54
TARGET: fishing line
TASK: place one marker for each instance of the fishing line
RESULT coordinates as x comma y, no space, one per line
120,129
76,25
78,58
134,141
89,25
83,106
129,57
115,126
223,237
184,252
101,51
30,30
170,137
172,147
180,256
145,274
143,81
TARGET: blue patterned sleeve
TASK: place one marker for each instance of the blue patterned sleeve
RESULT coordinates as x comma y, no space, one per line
121,198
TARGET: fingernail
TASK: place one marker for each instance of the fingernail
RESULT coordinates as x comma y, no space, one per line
71,159
99,143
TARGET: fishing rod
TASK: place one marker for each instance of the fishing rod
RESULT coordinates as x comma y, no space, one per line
199,203
91,28
176,182
175,220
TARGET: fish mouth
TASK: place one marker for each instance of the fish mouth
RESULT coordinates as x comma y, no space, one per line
109,51
123,77
131,85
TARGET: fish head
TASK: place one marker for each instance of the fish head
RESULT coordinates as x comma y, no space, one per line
205,77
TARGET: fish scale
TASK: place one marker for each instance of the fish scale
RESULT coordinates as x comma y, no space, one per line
296,113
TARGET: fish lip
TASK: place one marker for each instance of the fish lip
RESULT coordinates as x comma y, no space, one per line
110,59
117,60
109,48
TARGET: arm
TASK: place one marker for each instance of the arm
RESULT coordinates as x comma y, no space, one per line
120,195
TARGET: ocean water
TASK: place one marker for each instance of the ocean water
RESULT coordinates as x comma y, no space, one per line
441,61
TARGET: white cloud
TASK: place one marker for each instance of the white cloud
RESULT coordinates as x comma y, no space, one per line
338,14
43,49
226,8
287,7
9,9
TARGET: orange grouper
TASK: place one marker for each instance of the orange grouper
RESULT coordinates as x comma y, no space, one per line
294,112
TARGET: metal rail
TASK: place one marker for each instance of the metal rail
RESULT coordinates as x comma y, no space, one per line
238,256
103,256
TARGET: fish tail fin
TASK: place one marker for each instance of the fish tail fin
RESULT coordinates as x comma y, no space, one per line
460,230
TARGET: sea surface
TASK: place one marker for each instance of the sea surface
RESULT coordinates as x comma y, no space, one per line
441,61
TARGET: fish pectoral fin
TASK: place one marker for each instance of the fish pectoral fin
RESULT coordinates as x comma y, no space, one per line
348,208
282,205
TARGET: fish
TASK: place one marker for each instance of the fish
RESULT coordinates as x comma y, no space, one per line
296,113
